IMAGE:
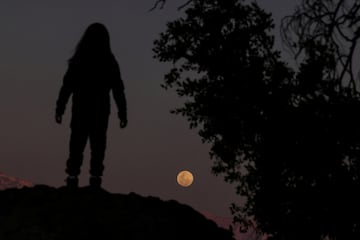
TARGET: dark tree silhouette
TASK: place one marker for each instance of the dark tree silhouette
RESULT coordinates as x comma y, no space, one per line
334,24
225,66
92,73
290,142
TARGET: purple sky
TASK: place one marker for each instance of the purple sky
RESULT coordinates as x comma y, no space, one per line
37,37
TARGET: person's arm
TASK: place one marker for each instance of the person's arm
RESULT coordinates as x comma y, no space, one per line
64,94
119,95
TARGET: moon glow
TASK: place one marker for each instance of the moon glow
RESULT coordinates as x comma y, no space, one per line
185,178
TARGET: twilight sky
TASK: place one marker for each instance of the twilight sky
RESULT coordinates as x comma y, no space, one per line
37,38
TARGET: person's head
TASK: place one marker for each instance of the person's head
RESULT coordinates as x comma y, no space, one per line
94,43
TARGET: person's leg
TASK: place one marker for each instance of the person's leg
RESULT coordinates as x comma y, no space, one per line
97,139
78,138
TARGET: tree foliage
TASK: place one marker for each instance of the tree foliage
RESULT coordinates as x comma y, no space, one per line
289,141
331,23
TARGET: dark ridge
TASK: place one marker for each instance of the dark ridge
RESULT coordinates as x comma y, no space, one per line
43,212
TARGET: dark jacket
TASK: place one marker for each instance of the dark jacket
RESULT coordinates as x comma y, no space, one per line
90,83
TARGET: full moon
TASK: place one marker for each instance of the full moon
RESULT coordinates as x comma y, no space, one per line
185,178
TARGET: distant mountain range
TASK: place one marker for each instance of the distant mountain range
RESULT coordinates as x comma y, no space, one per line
12,182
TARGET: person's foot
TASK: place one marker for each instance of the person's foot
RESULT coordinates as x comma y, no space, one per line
95,182
72,182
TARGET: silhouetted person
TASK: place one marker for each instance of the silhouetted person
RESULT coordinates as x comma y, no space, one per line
92,72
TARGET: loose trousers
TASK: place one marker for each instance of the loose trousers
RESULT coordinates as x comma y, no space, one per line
82,129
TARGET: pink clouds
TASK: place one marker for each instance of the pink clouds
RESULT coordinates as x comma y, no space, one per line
12,182
226,222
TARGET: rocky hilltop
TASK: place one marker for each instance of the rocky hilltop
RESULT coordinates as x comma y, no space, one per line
43,212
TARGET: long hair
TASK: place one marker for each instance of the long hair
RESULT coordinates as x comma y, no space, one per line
94,44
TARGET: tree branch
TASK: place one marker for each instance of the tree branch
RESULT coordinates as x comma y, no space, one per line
331,23
157,3
185,4
161,3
